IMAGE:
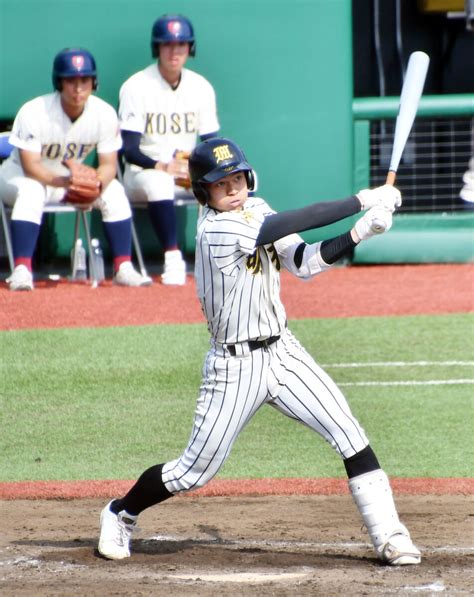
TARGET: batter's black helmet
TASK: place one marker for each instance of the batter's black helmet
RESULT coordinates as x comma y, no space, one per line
172,28
74,62
214,159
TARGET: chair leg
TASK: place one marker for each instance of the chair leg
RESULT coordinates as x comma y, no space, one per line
138,251
93,273
77,221
7,237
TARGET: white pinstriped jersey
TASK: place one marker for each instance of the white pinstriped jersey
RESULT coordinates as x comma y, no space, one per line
42,126
239,288
168,119
238,283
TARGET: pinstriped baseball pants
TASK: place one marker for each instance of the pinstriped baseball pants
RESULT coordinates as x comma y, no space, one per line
233,388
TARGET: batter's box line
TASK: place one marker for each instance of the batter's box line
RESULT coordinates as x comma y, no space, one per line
301,544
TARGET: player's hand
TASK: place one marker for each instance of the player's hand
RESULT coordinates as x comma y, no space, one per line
178,166
376,220
386,196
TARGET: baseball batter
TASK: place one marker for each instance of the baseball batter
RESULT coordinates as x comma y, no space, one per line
254,359
163,109
65,125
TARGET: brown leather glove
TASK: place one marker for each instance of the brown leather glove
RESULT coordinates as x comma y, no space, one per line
84,187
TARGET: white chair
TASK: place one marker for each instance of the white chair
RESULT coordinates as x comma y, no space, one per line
61,208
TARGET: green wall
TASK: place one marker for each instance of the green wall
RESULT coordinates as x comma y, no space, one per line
282,70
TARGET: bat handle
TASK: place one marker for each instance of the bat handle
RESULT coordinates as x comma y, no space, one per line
391,177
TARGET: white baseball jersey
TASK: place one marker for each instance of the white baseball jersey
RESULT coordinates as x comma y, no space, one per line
42,126
168,119
238,285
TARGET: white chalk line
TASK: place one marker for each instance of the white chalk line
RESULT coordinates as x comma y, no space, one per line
269,543
429,382
401,364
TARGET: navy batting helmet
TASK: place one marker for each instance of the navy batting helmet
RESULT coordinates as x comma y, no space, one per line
74,62
172,28
214,159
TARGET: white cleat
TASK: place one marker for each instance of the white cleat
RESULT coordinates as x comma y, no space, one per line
174,272
21,279
115,533
128,276
399,550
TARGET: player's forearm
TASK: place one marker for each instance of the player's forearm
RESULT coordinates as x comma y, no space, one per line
45,176
317,215
34,168
310,260
106,173
132,153
336,248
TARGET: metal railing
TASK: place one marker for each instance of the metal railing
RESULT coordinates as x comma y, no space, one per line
439,156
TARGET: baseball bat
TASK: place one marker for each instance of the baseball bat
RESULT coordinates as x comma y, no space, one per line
409,99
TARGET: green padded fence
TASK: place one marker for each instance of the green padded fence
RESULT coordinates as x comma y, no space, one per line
424,235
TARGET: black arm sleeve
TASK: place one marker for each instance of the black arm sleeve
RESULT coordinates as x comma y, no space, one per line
334,248
131,150
331,250
317,215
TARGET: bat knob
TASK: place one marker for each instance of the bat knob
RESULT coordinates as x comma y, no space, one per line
378,226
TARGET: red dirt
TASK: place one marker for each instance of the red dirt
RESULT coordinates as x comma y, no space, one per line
341,292
69,490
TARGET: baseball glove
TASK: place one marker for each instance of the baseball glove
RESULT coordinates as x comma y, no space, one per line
183,180
85,187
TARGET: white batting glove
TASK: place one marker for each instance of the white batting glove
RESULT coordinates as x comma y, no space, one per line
376,220
387,196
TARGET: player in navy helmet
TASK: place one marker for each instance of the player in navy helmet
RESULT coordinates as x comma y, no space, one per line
208,164
164,111
172,28
254,360
74,62
69,123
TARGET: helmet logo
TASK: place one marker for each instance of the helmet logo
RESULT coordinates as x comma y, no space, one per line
174,27
221,153
78,62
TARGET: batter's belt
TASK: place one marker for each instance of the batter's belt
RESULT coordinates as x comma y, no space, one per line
250,345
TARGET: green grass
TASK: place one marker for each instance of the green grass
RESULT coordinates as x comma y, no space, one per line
107,403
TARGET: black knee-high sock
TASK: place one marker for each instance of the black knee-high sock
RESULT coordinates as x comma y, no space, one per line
364,461
147,491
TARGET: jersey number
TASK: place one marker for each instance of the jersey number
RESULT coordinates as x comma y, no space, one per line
254,261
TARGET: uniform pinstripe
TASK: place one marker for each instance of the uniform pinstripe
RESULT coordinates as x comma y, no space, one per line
239,289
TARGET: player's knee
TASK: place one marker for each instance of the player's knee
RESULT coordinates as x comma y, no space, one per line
113,203
155,185
30,200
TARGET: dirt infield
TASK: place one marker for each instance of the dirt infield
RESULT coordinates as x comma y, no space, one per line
270,537
273,545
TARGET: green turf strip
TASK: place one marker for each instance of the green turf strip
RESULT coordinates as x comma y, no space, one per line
107,403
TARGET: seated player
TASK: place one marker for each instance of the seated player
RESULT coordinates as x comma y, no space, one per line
67,124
